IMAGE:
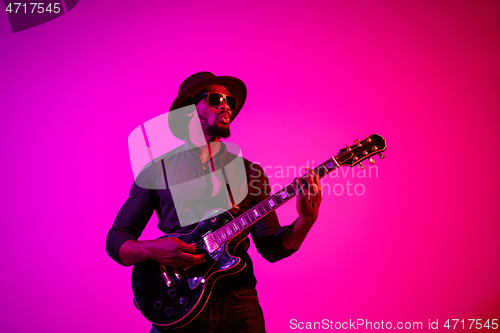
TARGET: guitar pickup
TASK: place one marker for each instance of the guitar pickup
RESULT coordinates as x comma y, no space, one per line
210,243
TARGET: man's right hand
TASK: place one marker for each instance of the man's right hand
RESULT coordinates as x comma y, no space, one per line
169,251
172,251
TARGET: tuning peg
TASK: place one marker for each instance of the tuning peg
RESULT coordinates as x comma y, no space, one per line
357,142
361,166
372,161
368,139
381,156
348,148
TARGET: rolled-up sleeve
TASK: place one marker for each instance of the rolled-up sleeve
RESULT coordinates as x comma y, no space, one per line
267,233
131,219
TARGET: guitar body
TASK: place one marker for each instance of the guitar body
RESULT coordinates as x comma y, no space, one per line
169,296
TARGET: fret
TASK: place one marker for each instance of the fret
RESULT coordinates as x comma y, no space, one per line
224,235
217,237
236,226
263,206
271,202
221,235
227,231
322,170
329,164
277,198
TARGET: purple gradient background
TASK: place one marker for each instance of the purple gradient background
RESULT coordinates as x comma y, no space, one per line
422,242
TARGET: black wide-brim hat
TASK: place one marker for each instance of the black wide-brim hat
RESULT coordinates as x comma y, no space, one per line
179,121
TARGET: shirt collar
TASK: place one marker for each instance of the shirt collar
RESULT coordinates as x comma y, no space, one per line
220,156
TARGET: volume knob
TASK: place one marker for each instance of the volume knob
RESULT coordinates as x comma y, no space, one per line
169,311
183,301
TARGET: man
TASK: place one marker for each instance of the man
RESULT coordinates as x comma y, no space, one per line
204,163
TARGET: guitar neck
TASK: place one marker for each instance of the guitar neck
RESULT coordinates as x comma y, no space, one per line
349,156
231,229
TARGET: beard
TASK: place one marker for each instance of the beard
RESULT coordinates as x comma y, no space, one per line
218,132
215,130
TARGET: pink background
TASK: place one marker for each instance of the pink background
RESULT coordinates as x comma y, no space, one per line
421,243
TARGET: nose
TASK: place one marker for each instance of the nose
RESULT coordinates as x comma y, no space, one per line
224,107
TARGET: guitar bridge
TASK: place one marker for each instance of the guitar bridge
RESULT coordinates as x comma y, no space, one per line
176,272
210,243
165,275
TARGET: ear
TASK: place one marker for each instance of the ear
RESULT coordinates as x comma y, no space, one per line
193,114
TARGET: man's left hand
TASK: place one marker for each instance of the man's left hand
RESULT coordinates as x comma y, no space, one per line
308,191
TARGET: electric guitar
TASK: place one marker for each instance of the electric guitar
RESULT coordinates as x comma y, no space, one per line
172,296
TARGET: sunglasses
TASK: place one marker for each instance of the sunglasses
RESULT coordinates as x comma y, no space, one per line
216,99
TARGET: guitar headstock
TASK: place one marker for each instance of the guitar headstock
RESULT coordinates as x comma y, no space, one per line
362,150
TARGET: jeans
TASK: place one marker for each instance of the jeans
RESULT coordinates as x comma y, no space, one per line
235,311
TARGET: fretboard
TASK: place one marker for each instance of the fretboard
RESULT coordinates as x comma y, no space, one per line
260,210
